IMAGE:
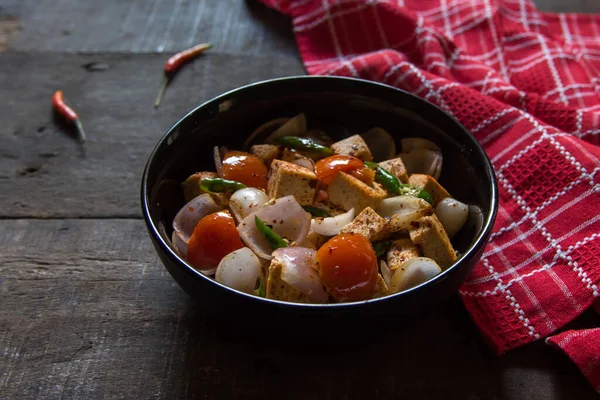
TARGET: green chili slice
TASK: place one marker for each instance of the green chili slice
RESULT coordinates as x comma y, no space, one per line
274,240
393,185
316,211
219,185
304,144
405,188
385,178
381,247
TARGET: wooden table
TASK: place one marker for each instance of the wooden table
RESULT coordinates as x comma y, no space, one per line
86,308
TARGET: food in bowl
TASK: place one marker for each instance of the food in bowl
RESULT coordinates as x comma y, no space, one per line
300,218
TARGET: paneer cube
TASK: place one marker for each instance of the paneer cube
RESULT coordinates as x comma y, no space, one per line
287,179
381,289
429,234
353,146
191,186
369,224
348,192
266,152
278,289
430,185
400,251
396,167
316,240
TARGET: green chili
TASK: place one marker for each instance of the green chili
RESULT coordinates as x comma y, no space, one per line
381,247
393,185
218,185
274,240
260,289
385,178
304,144
316,211
405,188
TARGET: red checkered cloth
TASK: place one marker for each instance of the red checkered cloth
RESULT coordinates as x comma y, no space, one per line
527,85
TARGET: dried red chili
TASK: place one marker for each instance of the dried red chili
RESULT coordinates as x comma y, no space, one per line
66,112
174,63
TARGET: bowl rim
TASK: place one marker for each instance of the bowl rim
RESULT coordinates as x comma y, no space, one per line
476,245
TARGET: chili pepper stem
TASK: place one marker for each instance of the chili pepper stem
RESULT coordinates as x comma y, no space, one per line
80,131
161,91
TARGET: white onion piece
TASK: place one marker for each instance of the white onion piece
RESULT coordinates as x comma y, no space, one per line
380,143
423,161
305,162
402,210
180,244
300,271
331,226
294,127
218,161
452,214
186,219
413,272
239,270
246,201
411,144
386,273
286,218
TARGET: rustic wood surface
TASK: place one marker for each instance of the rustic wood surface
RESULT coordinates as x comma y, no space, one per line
86,308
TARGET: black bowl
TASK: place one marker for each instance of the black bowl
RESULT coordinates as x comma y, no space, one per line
341,107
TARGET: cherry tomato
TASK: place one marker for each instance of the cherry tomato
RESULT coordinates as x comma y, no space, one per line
366,175
245,168
213,238
327,168
348,267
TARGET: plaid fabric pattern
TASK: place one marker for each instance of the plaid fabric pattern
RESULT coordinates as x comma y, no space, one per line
527,85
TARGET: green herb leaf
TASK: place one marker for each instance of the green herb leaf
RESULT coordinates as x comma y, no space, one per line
274,240
260,289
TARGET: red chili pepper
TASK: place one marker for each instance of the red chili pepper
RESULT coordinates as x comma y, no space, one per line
59,105
174,63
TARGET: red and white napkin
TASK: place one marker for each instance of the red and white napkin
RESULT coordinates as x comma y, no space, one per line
527,85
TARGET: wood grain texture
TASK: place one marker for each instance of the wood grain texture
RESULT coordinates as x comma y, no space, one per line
44,173
89,312
145,26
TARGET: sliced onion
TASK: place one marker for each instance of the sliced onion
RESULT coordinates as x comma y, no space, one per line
218,161
411,144
260,133
386,273
246,201
298,159
331,226
413,272
452,214
423,161
180,244
380,143
186,219
300,271
286,218
402,210
294,127
239,270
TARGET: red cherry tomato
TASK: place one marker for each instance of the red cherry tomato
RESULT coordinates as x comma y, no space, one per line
213,238
245,168
327,168
348,267
366,175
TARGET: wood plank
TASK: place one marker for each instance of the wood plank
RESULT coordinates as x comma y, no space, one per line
89,312
43,173
140,26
